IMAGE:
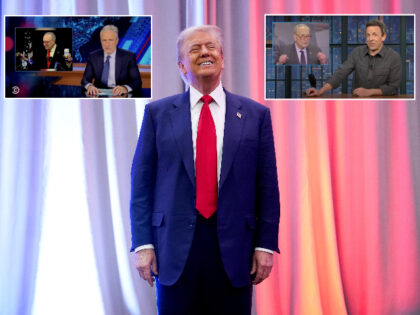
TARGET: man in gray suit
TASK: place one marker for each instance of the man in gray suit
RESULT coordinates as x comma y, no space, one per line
299,52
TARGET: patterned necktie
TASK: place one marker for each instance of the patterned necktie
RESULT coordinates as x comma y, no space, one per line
48,58
302,58
105,72
206,161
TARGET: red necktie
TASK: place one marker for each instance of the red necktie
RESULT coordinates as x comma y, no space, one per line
206,161
48,59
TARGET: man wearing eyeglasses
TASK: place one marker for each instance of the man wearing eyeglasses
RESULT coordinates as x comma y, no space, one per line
54,56
300,52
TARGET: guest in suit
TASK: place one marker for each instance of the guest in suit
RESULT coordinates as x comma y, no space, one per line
205,200
111,67
299,52
54,57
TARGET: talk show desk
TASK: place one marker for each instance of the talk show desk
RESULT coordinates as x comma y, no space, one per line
71,80
354,97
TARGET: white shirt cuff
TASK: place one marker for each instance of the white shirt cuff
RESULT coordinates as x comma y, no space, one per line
263,250
147,246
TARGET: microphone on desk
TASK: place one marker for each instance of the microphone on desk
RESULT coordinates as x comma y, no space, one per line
312,80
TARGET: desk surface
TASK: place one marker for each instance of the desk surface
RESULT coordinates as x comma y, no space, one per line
50,85
74,78
351,96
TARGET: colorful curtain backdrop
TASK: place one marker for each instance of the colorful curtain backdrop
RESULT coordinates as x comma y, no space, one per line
349,176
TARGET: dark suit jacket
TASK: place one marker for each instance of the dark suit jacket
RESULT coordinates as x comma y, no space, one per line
126,70
58,61
290,51
163,209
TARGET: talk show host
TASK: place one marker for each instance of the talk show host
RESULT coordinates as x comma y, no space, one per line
377,68
111,67
205,201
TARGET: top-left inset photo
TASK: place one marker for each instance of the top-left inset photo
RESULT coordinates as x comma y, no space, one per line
78,56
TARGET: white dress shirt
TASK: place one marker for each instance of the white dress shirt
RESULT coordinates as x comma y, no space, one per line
218,112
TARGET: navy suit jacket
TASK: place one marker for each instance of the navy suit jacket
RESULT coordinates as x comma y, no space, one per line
163,192
57,62
126,70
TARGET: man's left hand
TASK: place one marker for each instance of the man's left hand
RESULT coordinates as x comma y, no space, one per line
119,90
362,92
262,263
322,58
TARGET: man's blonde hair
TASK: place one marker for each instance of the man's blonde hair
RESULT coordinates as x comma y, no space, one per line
213,30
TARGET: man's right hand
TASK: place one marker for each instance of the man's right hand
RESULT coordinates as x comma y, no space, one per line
283,59
92,90
312,92
146,262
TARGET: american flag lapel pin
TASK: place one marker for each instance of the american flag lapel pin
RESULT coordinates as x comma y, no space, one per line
239,115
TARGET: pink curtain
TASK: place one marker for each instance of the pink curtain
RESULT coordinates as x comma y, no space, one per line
348,172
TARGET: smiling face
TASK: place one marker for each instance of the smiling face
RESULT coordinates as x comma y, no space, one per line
109,41
201,60
374,39
302,37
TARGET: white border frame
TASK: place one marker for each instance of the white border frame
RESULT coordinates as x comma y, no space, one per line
336,99
78,98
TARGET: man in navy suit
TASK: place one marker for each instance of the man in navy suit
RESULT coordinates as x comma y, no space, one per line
205,244
111,67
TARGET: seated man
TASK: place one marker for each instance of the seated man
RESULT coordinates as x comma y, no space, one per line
111,67
377,69
54,57
299,52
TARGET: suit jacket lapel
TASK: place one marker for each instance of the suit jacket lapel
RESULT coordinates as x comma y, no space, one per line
295,54
117,67
309,60
180,117
181,127
234,122
100,66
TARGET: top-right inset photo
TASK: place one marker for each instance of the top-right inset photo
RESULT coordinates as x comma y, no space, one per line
339,57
